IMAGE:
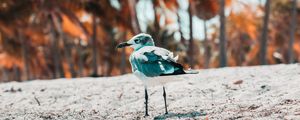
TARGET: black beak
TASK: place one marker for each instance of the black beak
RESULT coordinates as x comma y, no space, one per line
123,44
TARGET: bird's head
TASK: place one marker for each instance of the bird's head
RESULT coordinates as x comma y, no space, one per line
138,41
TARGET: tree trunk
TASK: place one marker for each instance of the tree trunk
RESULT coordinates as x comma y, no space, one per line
94,47
112,49
134,20
123,57
55,51
191,41
182,40
207,48
4,74
67,46
80,59
292,32
223,42
24,55
68,54
17,73
156,26
264,36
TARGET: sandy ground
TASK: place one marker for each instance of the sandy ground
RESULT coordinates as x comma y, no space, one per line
267,92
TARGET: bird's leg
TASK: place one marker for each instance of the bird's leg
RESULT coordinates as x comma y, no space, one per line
164,94
146,102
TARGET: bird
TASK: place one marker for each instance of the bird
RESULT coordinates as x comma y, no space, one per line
149,61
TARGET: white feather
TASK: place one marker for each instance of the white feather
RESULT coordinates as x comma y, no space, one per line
176,58
159,80
163,53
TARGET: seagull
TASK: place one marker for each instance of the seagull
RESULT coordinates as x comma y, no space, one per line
148,61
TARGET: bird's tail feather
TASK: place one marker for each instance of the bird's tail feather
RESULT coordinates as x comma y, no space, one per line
180,70
191,71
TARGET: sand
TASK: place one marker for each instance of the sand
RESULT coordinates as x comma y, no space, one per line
259,92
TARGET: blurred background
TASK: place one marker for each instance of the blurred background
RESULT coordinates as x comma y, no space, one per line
48,39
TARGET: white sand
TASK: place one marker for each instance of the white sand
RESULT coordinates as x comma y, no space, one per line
267,92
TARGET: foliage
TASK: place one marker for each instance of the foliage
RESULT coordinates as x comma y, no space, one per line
51,38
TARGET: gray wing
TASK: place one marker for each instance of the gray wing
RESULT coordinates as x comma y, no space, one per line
155,61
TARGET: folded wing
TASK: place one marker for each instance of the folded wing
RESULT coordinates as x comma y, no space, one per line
155,61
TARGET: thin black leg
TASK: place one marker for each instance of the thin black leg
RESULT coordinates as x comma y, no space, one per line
146,102
164,94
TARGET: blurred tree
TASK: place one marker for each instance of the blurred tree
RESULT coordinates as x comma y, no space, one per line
207,50
24,55
51,39
264,35
58,72
223,43
206,10
94,45
191,40
292,31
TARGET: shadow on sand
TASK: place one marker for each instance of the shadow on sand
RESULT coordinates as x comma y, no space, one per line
180,115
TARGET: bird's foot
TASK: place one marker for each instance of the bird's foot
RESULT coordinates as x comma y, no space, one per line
166,113
146,115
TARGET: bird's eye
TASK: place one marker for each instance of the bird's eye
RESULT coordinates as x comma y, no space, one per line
136,41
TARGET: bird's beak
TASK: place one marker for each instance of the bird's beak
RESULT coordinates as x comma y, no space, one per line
123,44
